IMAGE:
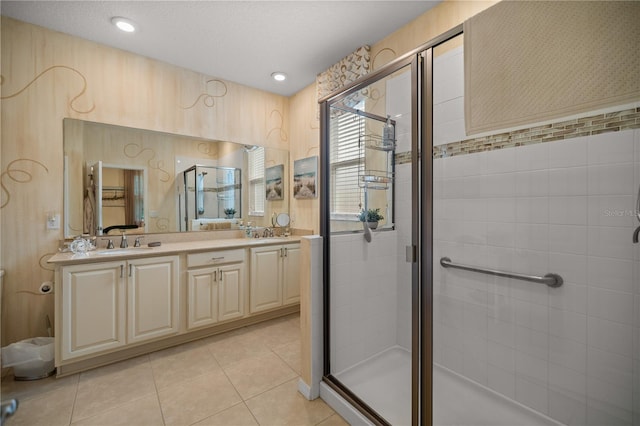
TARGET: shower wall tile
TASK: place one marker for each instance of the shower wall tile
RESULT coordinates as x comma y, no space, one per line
610,148
616,210
610,305
532,157
611,242
610,368
614,179
364,297
572,268
568,210
570,153
565,207
501,381
532,394
614,274
568,325
610,336
566,409
608,403
568,181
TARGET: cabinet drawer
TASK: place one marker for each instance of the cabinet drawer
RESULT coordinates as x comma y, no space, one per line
219,257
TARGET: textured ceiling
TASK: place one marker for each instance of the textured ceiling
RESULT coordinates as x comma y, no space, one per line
240,41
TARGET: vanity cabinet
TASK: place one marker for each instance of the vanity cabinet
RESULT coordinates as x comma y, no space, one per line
215,293
108,305
153,298
93,308
274,276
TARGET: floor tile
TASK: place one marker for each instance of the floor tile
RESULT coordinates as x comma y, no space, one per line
334,420
238,346
290,353
22,390
194,400
144,411
202,382
238,415
50,408
113,385
283,405
258,374
180,363
276,332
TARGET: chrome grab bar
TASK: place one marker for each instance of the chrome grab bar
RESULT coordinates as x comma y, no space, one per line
552,280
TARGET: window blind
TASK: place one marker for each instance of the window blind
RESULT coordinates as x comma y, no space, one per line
256,182
346,160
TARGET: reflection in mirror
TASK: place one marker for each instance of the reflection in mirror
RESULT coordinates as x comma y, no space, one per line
118,199
164,158
209,197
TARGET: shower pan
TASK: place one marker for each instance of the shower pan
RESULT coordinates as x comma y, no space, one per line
503,289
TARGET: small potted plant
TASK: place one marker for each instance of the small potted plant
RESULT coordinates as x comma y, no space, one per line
230,212
371,216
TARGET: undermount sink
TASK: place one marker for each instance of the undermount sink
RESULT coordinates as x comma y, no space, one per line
121,251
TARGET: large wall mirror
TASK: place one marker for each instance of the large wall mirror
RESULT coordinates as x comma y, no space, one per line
154,182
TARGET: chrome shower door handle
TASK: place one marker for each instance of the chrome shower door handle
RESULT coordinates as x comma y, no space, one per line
637,231
638,205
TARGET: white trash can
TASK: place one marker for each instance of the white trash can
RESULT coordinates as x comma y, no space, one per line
31,359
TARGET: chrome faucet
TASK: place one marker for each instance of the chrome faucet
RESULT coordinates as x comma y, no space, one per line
137,242
268,232
124,243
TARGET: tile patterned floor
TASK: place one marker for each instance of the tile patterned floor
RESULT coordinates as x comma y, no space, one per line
244,377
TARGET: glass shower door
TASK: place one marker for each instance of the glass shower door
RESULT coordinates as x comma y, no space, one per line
370,141
517,351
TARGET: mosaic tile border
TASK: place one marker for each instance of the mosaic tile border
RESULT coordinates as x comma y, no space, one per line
584,126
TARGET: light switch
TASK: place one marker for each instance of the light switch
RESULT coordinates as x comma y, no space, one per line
53,221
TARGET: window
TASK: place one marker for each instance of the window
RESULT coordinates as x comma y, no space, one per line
256,182
346,160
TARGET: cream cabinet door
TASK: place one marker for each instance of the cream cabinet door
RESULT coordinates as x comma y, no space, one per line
291,274
152,298
231,283
266,283
93,308
202,297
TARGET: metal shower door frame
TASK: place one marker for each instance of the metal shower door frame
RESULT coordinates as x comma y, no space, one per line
421,251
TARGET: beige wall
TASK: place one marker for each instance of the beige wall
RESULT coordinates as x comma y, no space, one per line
47,76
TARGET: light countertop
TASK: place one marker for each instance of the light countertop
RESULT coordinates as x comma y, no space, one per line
102,254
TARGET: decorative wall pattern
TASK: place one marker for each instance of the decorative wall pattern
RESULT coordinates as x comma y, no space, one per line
17,175
214,89
51,68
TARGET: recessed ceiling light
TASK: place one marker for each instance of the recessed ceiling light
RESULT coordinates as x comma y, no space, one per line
279,76
123,24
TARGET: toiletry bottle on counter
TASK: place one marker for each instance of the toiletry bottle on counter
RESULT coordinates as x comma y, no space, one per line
248,230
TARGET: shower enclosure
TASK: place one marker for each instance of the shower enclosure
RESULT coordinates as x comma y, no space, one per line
205,192
504,288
